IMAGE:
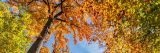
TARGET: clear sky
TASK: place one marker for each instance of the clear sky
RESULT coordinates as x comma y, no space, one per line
80,47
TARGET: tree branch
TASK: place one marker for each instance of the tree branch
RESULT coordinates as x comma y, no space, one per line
66,21
59,4
47,3
39,42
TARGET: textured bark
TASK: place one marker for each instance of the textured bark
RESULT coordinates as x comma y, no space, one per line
39,42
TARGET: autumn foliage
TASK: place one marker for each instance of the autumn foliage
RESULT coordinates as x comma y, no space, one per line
13,30
126,26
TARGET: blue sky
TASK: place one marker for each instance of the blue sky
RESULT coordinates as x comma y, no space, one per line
80,47
3,0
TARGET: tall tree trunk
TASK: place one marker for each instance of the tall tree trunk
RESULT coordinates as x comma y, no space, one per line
39,42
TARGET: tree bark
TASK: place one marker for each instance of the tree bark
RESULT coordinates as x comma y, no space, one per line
39,42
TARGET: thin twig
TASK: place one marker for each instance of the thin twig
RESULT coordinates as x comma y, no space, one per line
59,4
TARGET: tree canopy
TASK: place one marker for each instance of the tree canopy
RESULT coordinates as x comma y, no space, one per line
124,25
13,30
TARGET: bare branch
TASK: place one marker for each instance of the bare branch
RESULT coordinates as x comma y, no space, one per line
60,20
59,4
66,22
45,2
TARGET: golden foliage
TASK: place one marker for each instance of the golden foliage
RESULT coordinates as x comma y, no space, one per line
110,21
44,49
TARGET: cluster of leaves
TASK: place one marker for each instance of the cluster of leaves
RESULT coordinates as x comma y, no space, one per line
149,26
125,25
138,28
13,30
44,49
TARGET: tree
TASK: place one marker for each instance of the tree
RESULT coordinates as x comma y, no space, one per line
121,24
138,33
60,25
149,17
13,30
